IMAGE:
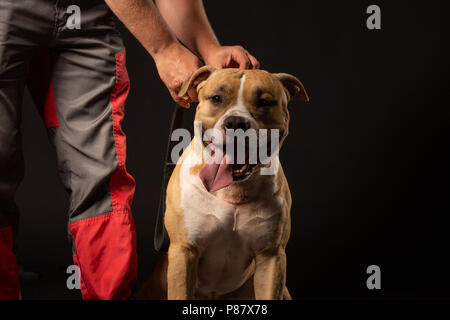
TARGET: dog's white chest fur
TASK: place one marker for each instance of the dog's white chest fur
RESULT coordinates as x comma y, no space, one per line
226,235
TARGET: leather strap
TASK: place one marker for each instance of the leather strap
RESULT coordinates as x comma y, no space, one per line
161,239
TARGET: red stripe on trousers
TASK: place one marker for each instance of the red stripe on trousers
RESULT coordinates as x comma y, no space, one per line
122,184
106,255
106,244
9,272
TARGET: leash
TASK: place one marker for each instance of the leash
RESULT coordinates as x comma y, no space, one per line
161,239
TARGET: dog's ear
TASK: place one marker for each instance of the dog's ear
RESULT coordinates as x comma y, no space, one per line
293,86
188,90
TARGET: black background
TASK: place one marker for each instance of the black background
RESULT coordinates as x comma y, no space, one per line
367,159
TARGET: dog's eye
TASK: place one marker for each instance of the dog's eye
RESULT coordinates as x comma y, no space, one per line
265,103
216,99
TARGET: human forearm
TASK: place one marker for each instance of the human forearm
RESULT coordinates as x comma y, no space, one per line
144,21
174,62
188,20
183,19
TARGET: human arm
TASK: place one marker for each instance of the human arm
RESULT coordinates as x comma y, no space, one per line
189,22
174,62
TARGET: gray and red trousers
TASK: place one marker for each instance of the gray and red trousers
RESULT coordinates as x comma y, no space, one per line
78,80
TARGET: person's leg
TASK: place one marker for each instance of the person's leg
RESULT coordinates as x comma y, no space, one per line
90,86
20,32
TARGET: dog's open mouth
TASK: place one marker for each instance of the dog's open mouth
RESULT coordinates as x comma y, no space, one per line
241,171
223,168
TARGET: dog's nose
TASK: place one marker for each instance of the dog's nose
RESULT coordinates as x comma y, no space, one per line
235,122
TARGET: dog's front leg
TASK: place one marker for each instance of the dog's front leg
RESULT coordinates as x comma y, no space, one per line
270,274
181,272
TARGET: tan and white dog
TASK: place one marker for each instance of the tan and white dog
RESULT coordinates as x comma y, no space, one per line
228,234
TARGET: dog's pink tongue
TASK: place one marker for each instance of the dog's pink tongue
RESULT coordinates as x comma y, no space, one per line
216,176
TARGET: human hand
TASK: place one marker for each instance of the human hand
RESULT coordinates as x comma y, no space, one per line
230,57
175,65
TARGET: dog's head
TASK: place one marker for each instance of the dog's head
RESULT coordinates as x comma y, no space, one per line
233,99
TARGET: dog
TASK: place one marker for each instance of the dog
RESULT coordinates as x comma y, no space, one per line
228,224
